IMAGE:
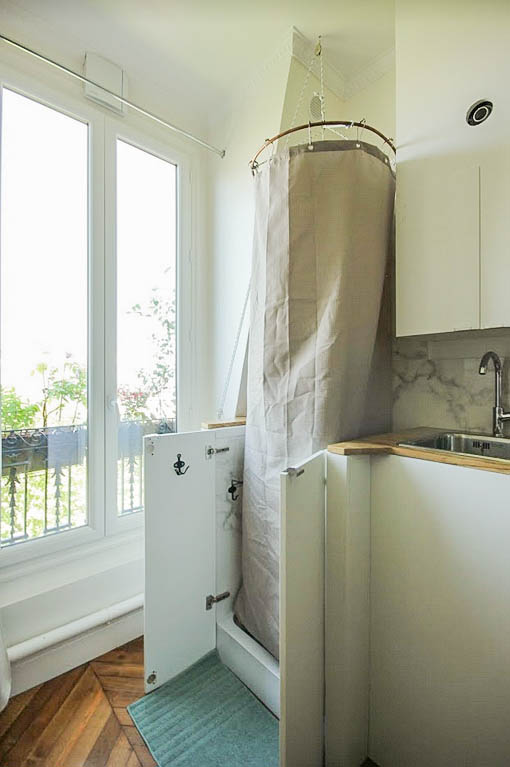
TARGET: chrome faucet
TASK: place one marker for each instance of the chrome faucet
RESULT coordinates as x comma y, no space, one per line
498,414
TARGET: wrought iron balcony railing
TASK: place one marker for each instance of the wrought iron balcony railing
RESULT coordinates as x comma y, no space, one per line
44,477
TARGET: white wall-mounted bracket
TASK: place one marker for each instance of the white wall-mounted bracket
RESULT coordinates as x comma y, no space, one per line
106,73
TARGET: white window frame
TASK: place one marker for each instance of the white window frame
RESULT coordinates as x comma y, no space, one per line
95,528
116,129
104,525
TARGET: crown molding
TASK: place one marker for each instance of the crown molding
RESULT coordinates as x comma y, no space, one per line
294,44
369,74
304,51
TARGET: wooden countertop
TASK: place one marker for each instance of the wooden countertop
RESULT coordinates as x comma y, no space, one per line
223,424
388,444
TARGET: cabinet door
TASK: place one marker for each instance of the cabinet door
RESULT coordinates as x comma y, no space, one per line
438,258
347,652
440,655
179,553
495,239
302,557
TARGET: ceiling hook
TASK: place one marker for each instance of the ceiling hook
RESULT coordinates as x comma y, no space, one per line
359,133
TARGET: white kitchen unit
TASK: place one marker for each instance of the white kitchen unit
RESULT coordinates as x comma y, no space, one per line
347,609
302,562
438,245
440,626
193,551
453,185
495,238
395,586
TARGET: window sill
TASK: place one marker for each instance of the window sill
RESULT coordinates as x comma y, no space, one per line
36,576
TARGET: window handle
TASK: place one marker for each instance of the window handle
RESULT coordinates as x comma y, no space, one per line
113,404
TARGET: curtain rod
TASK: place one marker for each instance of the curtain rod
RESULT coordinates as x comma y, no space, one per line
322,124
121,99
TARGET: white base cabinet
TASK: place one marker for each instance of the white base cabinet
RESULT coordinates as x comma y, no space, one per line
440,617
395,594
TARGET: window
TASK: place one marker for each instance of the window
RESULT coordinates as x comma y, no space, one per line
146,279
94,215
43,320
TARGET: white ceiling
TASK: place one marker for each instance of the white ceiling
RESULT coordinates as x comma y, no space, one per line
200,50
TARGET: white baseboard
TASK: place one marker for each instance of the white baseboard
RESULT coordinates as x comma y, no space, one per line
47,664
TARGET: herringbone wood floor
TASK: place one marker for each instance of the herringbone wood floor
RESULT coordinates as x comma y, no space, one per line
79,719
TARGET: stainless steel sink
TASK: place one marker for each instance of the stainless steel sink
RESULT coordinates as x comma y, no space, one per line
464,444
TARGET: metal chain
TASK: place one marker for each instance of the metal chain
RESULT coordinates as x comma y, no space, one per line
300,98
323,95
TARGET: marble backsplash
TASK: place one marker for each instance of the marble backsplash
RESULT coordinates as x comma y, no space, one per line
436,380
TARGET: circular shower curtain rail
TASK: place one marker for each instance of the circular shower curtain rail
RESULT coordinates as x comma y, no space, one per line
321,124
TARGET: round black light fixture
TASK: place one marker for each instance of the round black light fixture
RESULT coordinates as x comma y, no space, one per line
479,112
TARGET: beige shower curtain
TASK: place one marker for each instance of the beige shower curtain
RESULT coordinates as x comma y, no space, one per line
322,235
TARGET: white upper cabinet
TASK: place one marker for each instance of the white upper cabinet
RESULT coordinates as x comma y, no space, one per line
437,263
453,180
495,238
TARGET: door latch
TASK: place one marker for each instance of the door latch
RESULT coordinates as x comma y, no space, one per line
210,451
211,599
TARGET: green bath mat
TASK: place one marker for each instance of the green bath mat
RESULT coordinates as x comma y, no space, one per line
206,717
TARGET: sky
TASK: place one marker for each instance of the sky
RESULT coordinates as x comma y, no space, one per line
44,247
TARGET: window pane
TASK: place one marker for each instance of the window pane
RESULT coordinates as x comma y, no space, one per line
43,320
146,279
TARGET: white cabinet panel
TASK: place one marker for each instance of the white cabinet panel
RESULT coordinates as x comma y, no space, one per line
437,246
440,628
302,504
347,653
179,553
495,239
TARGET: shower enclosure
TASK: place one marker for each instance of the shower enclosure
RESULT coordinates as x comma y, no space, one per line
322,232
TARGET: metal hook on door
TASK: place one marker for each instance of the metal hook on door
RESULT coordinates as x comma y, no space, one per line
179,465
233,488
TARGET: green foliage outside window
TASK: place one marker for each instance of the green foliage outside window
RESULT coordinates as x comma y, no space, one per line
16,412
63,402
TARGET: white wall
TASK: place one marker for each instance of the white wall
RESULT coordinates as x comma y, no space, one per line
254,115
146,87
273,101
451,53
375,103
